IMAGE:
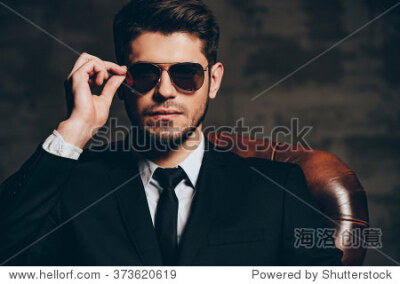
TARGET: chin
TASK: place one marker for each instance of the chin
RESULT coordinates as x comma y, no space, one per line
165,139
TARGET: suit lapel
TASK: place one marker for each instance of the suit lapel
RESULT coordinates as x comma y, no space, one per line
134,209
135,213
204,206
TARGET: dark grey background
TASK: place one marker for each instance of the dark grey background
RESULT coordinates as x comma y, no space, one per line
350,95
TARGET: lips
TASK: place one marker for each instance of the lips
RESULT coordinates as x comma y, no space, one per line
165,112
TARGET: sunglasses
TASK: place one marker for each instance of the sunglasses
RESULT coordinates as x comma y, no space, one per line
187,77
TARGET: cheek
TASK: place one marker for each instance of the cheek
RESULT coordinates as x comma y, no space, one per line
197,105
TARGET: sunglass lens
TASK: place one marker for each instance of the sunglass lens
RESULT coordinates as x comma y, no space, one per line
187,76
144,76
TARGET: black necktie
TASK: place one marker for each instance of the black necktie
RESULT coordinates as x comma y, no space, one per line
166,219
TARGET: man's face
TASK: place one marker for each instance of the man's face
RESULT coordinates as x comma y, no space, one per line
144,110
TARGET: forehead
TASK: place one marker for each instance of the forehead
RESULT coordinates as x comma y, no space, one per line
161,48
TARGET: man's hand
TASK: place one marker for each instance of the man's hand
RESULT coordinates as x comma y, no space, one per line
88,112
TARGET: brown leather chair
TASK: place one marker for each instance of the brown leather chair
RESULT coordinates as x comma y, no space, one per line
334,185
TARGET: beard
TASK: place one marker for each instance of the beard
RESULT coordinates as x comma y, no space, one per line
163,136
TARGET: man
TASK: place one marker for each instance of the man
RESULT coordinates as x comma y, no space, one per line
171,198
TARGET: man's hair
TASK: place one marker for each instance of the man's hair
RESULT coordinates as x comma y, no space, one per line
166,17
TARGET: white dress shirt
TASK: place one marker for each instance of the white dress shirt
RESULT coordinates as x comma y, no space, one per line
55,144
184,191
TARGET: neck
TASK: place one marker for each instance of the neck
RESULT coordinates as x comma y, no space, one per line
170,159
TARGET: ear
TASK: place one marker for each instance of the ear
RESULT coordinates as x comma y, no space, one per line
217,72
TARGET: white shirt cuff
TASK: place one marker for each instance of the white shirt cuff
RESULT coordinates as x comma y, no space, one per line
56,145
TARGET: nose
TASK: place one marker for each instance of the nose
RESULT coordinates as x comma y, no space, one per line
165,87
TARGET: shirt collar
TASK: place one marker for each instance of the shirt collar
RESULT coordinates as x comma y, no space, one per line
191,165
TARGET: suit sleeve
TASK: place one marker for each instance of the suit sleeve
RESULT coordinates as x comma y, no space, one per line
27,198
303,224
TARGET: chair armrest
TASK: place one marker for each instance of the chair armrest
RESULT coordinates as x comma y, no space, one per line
331,182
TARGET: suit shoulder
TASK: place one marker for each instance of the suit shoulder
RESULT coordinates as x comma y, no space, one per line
102,155
259,167
260,163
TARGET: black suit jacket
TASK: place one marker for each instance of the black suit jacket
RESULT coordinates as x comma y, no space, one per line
58,211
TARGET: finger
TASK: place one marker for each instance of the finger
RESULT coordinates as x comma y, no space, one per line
101,76
82,59
88,70
112,86
92,83
115,68
85,57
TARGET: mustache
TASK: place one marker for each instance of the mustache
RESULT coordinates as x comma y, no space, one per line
167,104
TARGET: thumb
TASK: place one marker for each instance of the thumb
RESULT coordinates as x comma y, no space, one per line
111,87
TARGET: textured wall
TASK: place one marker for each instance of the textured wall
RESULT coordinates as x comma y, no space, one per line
350,95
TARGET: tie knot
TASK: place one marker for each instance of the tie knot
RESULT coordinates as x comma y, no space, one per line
169,177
